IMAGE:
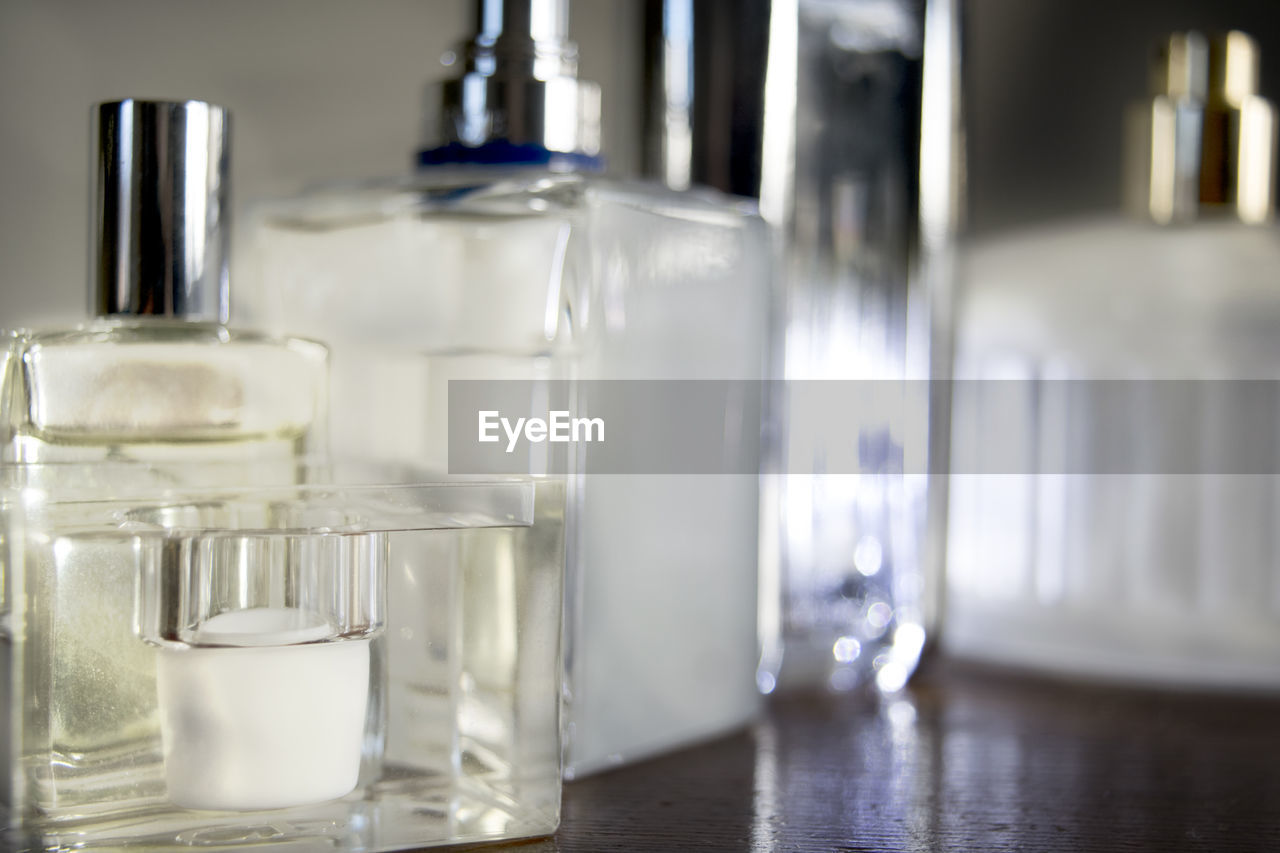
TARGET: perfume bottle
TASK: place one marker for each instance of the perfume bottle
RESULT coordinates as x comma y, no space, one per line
156,373
1161,568
858,117
507,256
200,650
156,376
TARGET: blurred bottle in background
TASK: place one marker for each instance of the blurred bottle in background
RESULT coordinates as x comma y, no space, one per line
849,135
1166,568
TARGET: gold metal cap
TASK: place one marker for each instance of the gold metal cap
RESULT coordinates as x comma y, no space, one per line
1180,67
1205,140
1233,70
1238,148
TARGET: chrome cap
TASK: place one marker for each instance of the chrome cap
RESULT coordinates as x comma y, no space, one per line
163,211
519,83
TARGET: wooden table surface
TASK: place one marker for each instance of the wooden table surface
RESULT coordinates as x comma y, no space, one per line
968,759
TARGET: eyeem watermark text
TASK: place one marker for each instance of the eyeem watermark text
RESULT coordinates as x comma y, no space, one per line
558,428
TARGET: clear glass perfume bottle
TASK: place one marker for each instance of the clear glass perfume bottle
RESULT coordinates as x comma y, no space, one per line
507,256
157,373
157,376
197,649
1163,569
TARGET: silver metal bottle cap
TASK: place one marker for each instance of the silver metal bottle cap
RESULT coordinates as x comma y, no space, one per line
519,83
163,211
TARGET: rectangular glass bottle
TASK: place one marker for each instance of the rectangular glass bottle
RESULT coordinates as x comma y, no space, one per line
1138,544
507,257
863,124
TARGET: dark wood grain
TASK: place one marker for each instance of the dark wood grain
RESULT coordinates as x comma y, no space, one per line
968,760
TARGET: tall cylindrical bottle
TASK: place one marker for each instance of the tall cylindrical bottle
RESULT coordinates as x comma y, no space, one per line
849,136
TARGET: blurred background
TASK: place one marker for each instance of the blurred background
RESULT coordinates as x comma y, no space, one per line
326,89
1046,90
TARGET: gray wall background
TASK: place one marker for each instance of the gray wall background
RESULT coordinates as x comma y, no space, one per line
327,89
1047,84
319,89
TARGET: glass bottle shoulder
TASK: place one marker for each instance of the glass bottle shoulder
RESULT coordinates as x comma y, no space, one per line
174,382
492,259
1113,297
441,192
148,333
500,192
698,206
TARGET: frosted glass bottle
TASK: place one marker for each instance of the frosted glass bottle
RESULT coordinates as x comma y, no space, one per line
507,256
1132,535
1162,570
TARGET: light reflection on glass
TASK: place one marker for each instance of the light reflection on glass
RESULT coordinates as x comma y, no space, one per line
878,616
846,650
802,771
868,555
843,680
842,179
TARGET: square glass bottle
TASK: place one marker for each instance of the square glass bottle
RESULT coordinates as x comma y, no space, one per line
507,256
